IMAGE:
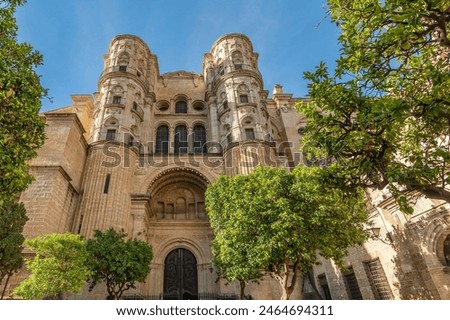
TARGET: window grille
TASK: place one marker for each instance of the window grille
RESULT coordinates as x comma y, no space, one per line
377,279
351,284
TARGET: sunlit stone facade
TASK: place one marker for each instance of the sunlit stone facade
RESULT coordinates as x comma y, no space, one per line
138,154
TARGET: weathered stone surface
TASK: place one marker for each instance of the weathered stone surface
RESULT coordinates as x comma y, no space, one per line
103,165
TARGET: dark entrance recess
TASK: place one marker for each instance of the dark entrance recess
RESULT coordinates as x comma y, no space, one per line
180,276
447,250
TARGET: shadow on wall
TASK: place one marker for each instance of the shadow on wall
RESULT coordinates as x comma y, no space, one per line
415,274
414,277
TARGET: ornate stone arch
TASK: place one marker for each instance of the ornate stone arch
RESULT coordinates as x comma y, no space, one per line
146,187
180,97
435,236
164,248
200,123
154,182
162,123
180,122
169,186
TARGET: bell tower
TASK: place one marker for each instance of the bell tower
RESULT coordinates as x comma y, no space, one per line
126,90
123,107
237,104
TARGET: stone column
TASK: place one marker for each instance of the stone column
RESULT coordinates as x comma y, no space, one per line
190,140
171,140
214,126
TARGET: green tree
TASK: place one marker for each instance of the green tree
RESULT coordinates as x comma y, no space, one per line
117,262
59,266
12,219
229,258
21,128
277,222
384,114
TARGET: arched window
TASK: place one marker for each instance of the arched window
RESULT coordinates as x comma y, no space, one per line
181,107
243,93
162,140
199,139
116,93
447,250
180,140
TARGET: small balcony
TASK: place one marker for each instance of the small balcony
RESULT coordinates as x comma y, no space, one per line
226,69
247,136
115,102
119,71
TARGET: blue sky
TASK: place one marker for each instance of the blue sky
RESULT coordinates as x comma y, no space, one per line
291,36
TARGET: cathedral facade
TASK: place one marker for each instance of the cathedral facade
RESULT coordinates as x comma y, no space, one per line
138,154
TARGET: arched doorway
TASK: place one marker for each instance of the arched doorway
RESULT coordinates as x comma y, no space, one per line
180,276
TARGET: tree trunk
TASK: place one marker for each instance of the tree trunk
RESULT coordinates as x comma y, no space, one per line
287,291
288,278
242,285
4,287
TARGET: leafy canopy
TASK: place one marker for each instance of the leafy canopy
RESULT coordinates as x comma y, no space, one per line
12,219
275,221
117,262
59,266
384,115
21,128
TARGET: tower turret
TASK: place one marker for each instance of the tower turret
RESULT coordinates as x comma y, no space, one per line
126,90
123,106
235,89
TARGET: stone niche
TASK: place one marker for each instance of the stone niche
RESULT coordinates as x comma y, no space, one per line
183,201
179,195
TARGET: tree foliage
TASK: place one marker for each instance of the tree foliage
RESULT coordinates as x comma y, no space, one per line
117,262
21,128
230,255
384,114
12,219
276,222
59,266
